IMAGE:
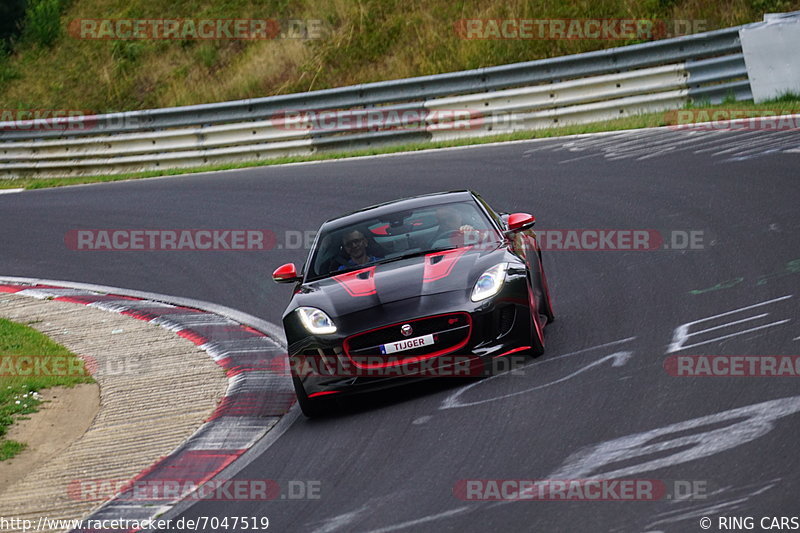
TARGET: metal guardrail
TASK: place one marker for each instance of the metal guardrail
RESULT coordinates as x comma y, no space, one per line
586,87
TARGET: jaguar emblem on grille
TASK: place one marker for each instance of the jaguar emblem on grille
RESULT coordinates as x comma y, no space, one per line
406,330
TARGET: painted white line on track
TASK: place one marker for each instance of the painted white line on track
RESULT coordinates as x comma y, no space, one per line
418,521
683,333
771,324
452,402
687,441
728,324
617,359
10,191
339,521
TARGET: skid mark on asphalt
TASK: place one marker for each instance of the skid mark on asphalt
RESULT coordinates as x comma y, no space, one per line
713,434
733,503
419,521
339,521
422,420
744,424
728,145
618,358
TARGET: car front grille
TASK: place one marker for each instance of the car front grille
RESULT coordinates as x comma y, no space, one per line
450,333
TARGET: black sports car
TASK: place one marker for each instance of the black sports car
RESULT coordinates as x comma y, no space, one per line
419,287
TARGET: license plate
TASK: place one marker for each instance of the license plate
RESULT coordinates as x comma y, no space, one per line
407,344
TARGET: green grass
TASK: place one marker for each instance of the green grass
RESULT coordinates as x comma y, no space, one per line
10,448
46,67
42,22
19,394
786,104
363,41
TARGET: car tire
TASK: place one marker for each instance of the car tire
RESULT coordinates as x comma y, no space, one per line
537,330
548,303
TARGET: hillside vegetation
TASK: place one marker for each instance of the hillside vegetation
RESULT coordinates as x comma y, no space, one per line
43,66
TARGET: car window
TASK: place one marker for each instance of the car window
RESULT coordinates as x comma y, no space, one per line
396,235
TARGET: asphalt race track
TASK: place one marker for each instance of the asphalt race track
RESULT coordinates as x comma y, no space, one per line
599,403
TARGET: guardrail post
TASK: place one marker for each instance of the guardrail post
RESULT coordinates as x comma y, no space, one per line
771,55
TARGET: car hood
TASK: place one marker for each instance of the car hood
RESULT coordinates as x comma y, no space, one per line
414,277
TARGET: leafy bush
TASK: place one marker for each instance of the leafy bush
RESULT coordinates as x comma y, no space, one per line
43,21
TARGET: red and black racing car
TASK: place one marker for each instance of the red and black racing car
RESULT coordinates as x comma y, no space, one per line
412,288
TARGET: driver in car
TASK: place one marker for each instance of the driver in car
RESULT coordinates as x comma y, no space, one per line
355,246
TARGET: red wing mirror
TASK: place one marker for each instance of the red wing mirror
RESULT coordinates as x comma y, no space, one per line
520,221
285,274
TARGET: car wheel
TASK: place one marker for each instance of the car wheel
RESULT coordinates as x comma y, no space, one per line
311,407
548,303
537,331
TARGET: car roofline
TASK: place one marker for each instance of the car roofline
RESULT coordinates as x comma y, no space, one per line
412,202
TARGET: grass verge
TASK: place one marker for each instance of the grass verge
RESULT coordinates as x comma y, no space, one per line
24,354
50,66
788,104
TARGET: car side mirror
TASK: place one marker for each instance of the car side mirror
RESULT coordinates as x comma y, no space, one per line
520,222
285,274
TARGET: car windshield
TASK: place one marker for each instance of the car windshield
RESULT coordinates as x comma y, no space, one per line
398,235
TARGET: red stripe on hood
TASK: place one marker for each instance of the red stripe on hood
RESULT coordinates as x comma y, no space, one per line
359,282
438,265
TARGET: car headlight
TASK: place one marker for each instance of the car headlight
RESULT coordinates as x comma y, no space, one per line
316,321
489,283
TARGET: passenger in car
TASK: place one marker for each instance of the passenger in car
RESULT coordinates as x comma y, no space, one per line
452,228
